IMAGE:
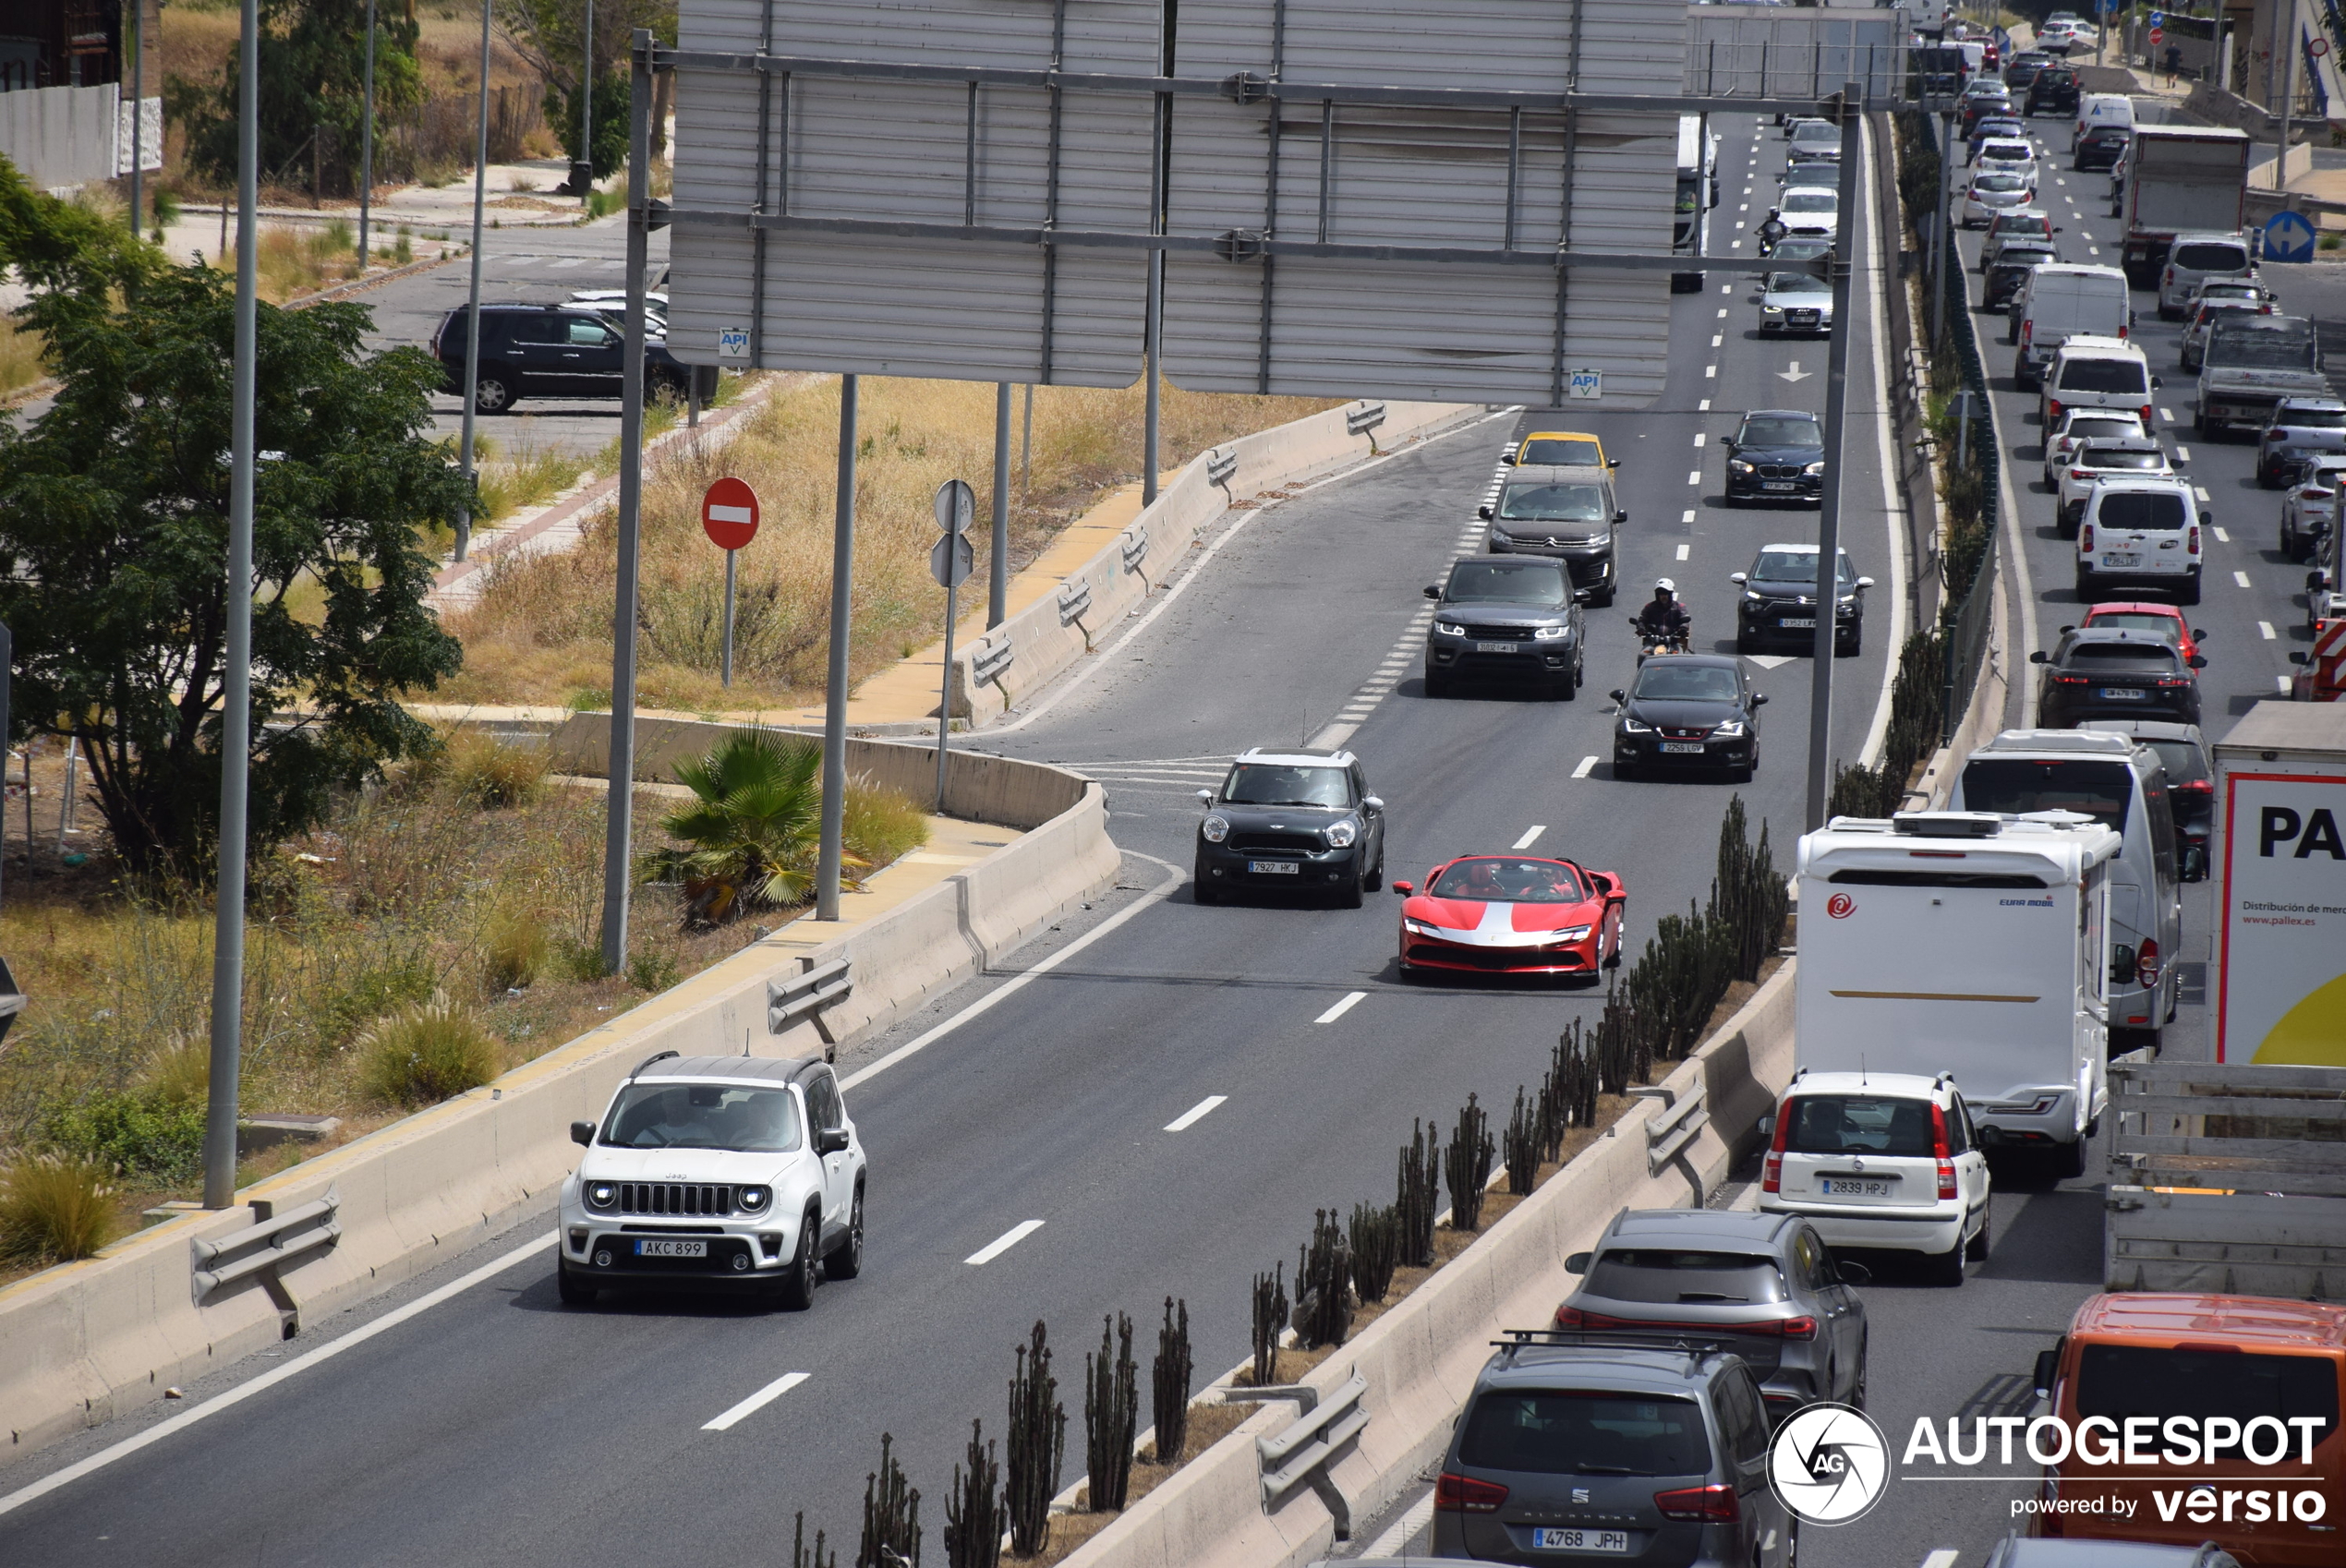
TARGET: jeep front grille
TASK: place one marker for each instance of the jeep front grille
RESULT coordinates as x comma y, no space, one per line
675,1198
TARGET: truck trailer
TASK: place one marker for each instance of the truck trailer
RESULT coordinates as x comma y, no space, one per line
2176,179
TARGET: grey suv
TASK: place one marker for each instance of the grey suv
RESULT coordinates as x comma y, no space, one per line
1764,1286
1587,1443
1516,616
1569,515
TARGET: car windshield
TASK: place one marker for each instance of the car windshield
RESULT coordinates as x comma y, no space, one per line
1859,1124
1553,1432
1796,282
1811,202
1663,680
2155,511
1513,882
1563,452
1780,432
1674,1275
2260,343
2120,1381
1999,183
1478,582
2089,458
2100,787
2165,626
2202,257
703,1115
1816,135
2312,419
1269,784
1793,566
2091,429
1553,503
2124,377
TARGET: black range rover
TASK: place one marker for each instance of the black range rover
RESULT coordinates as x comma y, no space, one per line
1504,616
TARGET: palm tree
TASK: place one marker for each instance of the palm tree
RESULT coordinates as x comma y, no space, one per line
752,832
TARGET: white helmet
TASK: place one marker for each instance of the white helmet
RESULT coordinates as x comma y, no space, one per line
1664,585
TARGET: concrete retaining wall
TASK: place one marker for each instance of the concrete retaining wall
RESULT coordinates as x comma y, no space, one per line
88,1341
1420,1358
1042,646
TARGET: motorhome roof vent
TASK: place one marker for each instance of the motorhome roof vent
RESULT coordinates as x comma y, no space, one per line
2060,818
1948,823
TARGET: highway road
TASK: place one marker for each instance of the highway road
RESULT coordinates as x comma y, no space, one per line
467,1417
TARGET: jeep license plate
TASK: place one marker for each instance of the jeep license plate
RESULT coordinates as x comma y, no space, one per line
670,1249
1273,868
1844,1188
1497,647
1581,1540
1683,748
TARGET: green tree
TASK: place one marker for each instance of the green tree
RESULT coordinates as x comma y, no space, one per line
313,63
548,34
753,829
113,523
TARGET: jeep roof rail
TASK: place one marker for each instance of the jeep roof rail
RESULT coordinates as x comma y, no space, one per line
648,1061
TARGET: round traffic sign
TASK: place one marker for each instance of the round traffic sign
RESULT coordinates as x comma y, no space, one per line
956,506
950,561
2158,35
2317,47
729,514
2288,237
2158,18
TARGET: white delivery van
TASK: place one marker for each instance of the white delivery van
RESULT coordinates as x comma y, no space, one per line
2064,300
2096,109
2119,782
2281,821
1968,944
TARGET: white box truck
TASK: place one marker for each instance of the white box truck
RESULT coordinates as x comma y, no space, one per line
2173,179
2280,842
1968,943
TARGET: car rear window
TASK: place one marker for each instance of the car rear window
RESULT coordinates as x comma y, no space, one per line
2161,654
1999,183
2119,460
2154,511
2124,377
2100,788
2091,429
2138,621
2201,255
2120,1380
2312,419
2185,763
1675,1275
1560,1432
1859,1124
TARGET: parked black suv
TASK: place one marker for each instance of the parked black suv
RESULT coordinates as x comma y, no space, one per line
2052,92
565,351
1507,615
2119,674
2101,147
1776,454
1290,822
1591,1443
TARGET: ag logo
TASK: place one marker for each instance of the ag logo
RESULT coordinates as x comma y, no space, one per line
1828,1464
1840,906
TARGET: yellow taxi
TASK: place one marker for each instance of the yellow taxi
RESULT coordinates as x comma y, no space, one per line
1562,448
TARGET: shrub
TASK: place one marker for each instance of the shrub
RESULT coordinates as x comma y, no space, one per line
493,773
881,825
652,970
385,981
425,1053
515,948
54,1208
138,1133
181,1074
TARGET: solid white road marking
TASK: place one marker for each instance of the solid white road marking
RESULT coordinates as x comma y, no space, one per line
756,1402
2241,578
1682,551
2265,630
1352,1000
1530,837
1587,765
1002,1244
1195,1114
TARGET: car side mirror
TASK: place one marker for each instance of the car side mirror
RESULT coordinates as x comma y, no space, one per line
1853,1274
1205,797
1739,578
1768,1125
830,1141
2199,634
1620,518
1759,699
2047,1369
1432,592
1577,1263
1865,582
2037,656
2155,383
1615,461
1403,889
1483,513
2066,630
582,1132
2195,864
1507,458
1618,695
2198,661
1373,804
1584,595
2298,657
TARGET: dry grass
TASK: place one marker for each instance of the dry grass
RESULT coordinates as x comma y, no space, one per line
541,629
54,1210
530,475
22,358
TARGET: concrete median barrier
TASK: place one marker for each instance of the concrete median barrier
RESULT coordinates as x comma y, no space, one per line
85,1342
1420,1358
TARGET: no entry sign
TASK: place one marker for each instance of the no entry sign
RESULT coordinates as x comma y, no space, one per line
729,514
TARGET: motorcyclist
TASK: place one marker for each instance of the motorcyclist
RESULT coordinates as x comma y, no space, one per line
1663,618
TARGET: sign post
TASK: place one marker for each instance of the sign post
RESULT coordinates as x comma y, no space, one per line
950,562
729,516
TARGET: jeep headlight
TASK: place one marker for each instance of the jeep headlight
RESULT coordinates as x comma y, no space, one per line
1449,631
752,1199
1214,828
1341,834
601,1194
1814,468
1550,634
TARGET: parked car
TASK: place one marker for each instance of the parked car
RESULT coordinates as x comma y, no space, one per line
715,1172
2310,508
1687,711
2140,534
2064,436
2300,429
562,351
1764,1287
1512,617
1776,454
1779,600
2104,674
1881,1159
1607,1444
2092,462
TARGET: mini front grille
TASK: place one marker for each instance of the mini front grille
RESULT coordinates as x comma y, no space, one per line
675,1198
1274,843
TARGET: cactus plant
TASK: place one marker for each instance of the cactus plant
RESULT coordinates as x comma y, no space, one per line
1519,1145
973,1518
1270,1313
1170,1377
1036,1446
1111,1411
1414,1201
1467,1166
1324,1284
1377,1249
800,1557
892,1515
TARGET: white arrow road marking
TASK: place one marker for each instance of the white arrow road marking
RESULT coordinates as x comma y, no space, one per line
1352,1000
2265,630
1587,766
1530,837
1003,1243
1195,1114
1794,373
756,1402
1769,661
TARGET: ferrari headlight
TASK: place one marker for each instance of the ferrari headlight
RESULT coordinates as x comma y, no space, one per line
601,1194
1737,465
1341,834
1731,730
1449,631
1814,468
1572,934
1418,928
1216,828
1630,726
1550,634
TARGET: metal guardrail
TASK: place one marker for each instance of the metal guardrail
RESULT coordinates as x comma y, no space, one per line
1221,467
803,995
1361,420
992,661
263,1244
1680,1124
1301,1454
1075,600
1135,547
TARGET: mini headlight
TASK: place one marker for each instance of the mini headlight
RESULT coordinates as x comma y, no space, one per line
1814,468
1449,631
1341,834
1216,828
1550,634
1737,465
601,1195
752,1199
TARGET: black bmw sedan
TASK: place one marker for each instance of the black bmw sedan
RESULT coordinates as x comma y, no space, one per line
1776,454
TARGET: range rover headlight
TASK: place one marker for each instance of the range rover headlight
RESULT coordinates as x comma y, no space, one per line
601,1194
1216,828
1341,834
752,1199
1550,634
1449,631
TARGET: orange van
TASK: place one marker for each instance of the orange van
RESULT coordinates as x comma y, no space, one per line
2258,1377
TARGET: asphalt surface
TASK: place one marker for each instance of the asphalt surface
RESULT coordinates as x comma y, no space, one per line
493,1424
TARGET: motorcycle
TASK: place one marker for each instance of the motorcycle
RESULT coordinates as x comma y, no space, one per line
1652,642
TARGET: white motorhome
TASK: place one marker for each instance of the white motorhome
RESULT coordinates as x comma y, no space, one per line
1968,944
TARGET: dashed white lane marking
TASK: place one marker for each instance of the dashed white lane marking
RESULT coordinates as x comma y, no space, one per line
1531,836
2222,537
2168,414
1682,551
1703,408
2058,180
1943,1558
1195,1114
2282,682
2092,250
2241,578
1352,1000
1689,517
1698,438
1004,1242
1587,766
756,1402
1694,478
1710,370
2201,491
1723,312
2265,630
2183,453
1734,245
1717,338
1726,288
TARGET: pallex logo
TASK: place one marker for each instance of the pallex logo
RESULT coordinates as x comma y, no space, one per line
1840,905
1828,1464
